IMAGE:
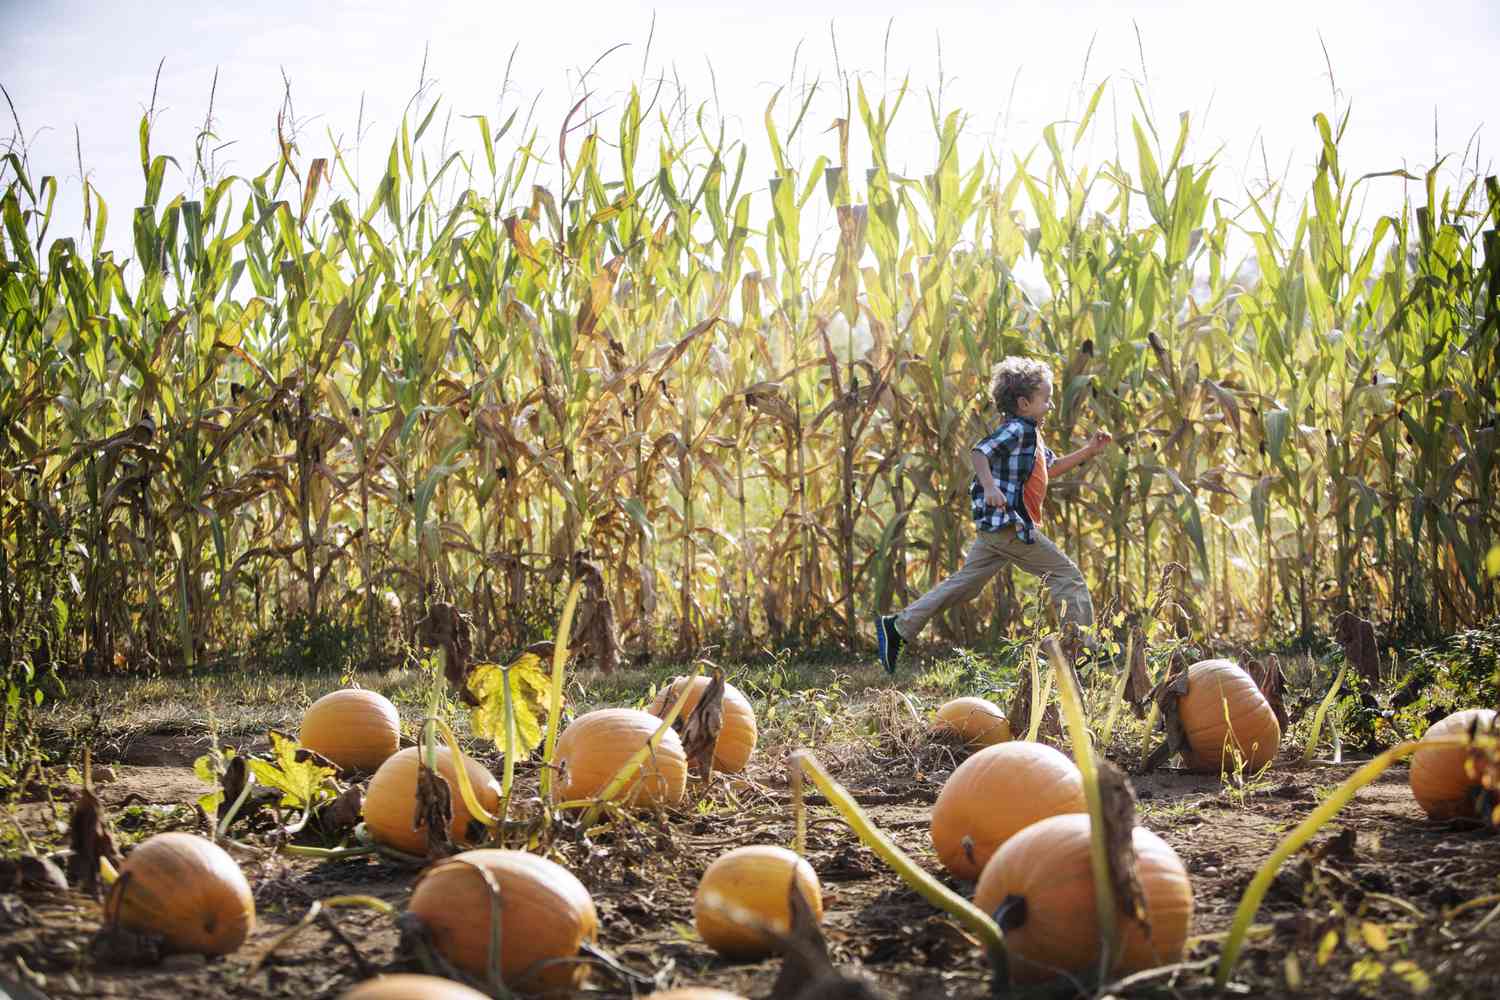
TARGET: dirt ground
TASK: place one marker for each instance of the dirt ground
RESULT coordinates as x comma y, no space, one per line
1367,918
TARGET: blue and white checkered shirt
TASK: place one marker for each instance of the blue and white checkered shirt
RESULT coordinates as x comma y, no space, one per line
1011,451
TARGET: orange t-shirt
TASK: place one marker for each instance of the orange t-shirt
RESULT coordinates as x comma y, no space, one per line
1035,489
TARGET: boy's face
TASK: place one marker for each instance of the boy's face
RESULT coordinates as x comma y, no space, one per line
1037,405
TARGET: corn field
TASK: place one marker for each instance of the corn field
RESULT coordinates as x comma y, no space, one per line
608,342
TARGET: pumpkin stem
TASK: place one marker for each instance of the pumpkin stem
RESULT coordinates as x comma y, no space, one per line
1011,913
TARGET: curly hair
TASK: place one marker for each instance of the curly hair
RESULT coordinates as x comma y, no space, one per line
1014,378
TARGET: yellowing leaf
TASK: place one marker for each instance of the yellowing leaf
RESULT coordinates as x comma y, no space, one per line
529,688
210,768
1325,947
1375,936
1416,979
302,783
1492,561
1293,970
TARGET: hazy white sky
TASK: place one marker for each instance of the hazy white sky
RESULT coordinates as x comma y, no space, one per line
1246,72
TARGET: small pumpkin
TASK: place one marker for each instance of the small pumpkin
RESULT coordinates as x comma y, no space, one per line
355,729
995,794
737,737
411,986
1438,779
696,993
187,890
1055,928
390,801
545,916
1220,688
597,744
757,879
977,721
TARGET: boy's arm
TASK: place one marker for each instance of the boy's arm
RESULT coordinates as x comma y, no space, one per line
992,494
1097,443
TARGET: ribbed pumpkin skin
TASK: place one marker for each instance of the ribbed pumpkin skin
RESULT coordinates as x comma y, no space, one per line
355,729
599,743
1048,864
1255,732
977,720
186,889
995,794
410,986
756,878
391,799
1437,775
545,913
736,739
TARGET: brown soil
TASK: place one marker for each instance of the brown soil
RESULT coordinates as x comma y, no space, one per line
1402,875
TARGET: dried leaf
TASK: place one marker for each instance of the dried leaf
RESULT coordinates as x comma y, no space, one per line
1138,679
90,838
434,810
805,961
700,730
1357,636
447,628
1117,799
1173,687
1272,683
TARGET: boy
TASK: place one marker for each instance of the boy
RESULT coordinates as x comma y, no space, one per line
1011,468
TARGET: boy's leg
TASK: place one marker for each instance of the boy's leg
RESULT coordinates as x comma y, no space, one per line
1061,575
985,558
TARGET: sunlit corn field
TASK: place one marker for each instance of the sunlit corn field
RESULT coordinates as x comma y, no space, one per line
746,400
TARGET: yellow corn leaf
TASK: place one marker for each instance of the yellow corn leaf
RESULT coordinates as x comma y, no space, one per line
529,690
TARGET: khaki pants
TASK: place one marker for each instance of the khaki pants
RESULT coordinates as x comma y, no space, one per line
991,552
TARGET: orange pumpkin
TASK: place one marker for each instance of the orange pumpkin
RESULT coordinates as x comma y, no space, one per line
391,800
1223,708
1438,780
995,794
545,915
736,738
979,722
1047,865
355,729
756,879
696,993
594,748
185,889
410,986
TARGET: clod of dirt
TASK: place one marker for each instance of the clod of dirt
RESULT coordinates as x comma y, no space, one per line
91,840
117,946
31,873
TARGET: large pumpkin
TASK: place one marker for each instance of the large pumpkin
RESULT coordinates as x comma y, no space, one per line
355,729
594,748
185,889
1223,708
391,800
411,986
738,735
1438,780
1048,866
757,879
545,915
994,795
977,721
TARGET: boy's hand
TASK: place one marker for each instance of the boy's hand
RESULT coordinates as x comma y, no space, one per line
994,497
1099,441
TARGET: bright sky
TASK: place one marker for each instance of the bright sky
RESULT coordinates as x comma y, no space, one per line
1247,74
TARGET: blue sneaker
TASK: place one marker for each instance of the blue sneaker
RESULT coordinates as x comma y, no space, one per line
890,642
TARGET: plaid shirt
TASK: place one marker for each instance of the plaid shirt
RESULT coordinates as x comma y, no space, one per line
1011,451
